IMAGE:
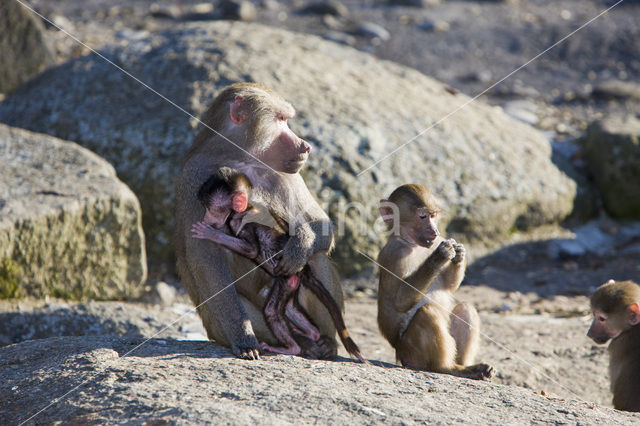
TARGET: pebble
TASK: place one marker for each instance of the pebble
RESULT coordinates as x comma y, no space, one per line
331,7
416,3
63,23
525,111
164,12
617,89
132,35
161,294
483,76
238,10
433,26
339,37
373,30
200,12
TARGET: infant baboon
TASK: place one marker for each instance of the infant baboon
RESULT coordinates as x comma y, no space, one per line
225,197
616,315
419,273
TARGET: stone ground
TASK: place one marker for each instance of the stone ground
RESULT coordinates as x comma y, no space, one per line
546,351
115,380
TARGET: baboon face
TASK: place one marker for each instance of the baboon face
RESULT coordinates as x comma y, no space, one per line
287,152
263,117
412,212
615,307
218,209
425,226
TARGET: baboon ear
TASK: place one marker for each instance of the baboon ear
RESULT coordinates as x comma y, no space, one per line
240,202
238,110
635,313
386,212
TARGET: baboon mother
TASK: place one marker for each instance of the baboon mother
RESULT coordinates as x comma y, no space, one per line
246,129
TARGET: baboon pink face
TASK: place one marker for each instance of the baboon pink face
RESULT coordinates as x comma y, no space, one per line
285,152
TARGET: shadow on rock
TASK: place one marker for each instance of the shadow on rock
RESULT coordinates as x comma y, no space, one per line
570,267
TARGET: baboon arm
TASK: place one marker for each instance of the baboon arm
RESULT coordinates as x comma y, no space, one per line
309,239
214,282
453,275
417,284
323,235
238,245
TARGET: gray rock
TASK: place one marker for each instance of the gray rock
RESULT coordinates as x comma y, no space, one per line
612,149
415,3
161,294
428,25
492,173
24,51
522,110
372,30
330,7
339,37
617,89
589,239
480,76
239,10
68,227
118,380
200,12
164,11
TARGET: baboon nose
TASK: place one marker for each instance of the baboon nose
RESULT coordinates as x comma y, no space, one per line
306,148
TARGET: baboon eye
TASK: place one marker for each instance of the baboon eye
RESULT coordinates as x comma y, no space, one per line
281,117
422,215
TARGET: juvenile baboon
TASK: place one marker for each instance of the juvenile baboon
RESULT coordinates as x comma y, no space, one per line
616,315
246,129
419,273
225,198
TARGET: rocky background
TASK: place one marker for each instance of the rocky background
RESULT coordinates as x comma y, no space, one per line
535,159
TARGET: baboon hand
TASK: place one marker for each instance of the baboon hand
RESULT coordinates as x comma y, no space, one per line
444,252
460,252
293,257
203,231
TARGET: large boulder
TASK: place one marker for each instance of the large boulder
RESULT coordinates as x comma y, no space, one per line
612,149
24,50
68,227
101,380
493,173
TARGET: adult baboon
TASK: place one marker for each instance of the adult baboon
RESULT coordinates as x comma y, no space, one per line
246,129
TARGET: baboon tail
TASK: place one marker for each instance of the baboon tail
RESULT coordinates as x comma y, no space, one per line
321,292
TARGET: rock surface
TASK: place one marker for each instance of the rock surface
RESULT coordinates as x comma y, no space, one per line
68,227
533,342
24,50
113,380
612,149
493,173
